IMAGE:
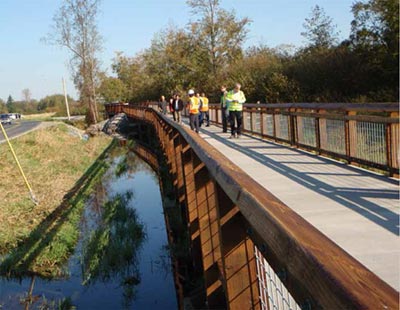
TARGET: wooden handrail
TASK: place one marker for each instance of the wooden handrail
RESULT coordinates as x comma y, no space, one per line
332,278
368,107
348,113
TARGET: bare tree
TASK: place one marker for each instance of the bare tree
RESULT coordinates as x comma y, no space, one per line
75,28
26,95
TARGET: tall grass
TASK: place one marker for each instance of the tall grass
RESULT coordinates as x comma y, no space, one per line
41,237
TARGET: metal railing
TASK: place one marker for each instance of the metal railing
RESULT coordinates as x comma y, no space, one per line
360,134
273,293
363,134
254,251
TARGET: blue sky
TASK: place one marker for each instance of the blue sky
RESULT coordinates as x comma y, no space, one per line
129,26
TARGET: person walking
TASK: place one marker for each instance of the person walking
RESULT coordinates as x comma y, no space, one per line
163,105
224,110
170,104
235,99
194,110
177,107
205,114
200,106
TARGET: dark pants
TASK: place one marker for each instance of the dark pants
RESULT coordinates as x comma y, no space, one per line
194,122
205,115
224,120
235,116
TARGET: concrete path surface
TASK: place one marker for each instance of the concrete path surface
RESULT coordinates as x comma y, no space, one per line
357,209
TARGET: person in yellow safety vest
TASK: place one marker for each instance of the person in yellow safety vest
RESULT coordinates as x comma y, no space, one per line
194,110
235,99
204,110
224,112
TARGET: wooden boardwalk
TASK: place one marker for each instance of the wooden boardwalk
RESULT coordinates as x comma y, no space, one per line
356,209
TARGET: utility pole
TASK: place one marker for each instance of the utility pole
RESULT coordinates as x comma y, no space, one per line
66,99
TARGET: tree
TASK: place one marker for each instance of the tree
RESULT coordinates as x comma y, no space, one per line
261,72
52,103
170,62
178,59
23,107
320,31
3,107
112,89
26,95
75,28
375,39
10,105
218,35
376,22
130,70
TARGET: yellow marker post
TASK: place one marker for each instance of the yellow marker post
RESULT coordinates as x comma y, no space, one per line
19,166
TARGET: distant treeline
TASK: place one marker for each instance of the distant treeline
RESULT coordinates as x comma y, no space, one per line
48,104
209,52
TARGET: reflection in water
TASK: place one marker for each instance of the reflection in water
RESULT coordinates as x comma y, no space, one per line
111,251
128,164
121,260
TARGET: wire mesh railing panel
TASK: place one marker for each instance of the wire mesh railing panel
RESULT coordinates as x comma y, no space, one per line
213,115
246,121
268,124
256,126
332,135
368,142
282,126
306,131
273,294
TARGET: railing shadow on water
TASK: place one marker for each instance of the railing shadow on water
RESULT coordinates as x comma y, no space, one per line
352,198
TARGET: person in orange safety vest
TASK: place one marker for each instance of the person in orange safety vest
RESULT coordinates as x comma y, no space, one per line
205,114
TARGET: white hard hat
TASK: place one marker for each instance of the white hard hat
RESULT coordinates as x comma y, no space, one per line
191,92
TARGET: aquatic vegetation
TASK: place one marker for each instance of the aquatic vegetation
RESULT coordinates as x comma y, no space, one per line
111,251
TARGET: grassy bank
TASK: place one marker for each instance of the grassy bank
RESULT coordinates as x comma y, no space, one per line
61,169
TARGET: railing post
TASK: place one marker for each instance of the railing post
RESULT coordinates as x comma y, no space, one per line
237,256
292,122
262,123
392,145
350,136
209,238
388,140
317,135
179,187
274,124
251,121
191,208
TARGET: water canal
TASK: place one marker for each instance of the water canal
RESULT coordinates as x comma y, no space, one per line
121,260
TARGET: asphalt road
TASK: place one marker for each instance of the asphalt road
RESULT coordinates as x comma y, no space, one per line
18,128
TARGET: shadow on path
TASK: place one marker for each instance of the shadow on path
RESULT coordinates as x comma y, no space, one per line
352,198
